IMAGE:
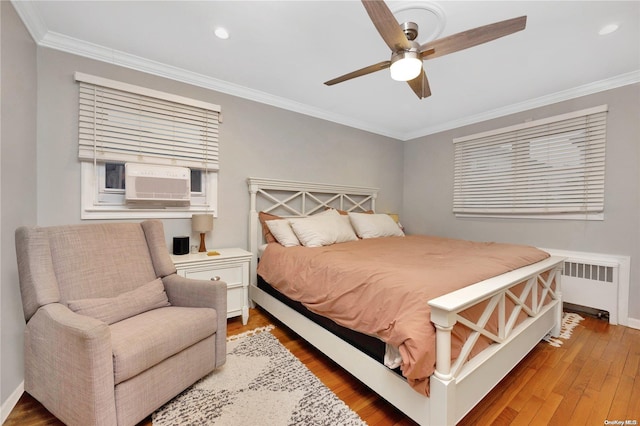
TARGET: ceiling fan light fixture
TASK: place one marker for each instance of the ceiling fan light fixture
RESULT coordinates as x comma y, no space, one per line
405,65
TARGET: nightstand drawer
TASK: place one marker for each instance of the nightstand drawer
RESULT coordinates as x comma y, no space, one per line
232,275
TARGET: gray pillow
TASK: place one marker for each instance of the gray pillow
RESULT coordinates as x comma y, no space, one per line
113,309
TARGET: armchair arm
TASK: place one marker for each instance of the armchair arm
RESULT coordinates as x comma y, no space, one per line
75,353
188,292
192,293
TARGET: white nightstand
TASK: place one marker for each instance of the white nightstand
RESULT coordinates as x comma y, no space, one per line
230,266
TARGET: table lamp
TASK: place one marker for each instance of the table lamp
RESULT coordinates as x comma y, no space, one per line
202,223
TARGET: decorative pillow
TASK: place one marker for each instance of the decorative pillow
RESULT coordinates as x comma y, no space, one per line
323,229
374,225
263,218
113,309
282,232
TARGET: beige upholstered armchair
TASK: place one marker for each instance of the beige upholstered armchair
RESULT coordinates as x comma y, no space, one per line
112,331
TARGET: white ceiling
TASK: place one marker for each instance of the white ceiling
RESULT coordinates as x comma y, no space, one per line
281,52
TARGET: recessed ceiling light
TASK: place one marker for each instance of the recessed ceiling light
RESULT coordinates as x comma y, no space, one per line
608,29
221,33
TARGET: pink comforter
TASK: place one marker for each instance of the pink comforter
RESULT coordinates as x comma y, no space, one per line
381,286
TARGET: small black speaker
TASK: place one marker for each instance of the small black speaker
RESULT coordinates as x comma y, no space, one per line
180,245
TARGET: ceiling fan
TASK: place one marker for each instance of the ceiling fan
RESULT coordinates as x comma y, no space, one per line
407,55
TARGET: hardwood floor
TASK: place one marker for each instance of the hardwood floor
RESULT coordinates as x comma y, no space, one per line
591,378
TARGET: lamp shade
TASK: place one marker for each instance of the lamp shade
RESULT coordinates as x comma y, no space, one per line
202,223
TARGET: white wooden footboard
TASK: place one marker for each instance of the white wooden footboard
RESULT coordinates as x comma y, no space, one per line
455,388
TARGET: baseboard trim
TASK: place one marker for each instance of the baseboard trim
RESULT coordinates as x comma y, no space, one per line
634,323
11,402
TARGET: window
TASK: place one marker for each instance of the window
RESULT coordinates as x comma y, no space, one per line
551,168
120,123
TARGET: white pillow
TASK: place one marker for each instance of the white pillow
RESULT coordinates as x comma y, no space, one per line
342,223
374,225
344,229
315,231
281,230
323,229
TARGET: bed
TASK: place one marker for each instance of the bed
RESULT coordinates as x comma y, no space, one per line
455,386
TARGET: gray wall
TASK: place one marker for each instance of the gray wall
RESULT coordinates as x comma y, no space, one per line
18,182
255,140
428,189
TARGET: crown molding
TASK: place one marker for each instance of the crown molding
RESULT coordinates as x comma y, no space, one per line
43,37
31,18
576,92
93,51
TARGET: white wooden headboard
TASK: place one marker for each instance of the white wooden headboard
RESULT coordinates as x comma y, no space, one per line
299,199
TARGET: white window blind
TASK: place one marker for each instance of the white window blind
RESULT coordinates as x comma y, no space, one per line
125,123
550,166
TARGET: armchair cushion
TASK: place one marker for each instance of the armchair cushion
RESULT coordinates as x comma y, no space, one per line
113,309
145,340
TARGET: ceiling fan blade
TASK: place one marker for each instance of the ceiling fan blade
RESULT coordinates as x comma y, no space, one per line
363,71
387,25
473,37
420,85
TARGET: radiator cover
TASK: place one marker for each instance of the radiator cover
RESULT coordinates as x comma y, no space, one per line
597,281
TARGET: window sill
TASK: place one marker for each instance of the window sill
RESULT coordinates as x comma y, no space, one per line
123,212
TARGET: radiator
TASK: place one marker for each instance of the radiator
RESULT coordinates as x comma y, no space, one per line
598,283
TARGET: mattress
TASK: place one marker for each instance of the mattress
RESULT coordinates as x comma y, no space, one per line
370,345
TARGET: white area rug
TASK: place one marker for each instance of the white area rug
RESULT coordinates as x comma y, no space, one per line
569,321
261,383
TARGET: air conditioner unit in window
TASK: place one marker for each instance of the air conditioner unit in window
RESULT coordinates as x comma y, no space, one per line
157,185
